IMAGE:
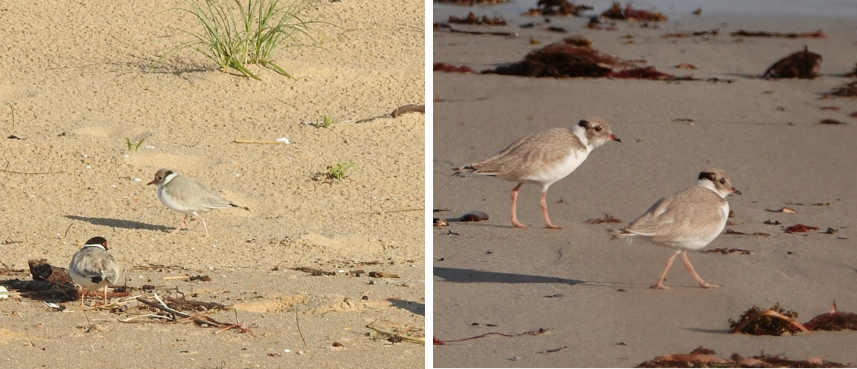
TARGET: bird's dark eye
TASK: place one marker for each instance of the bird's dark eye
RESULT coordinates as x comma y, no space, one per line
598,129
722,180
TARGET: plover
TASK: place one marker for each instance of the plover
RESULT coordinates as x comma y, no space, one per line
543,159
188,196
93,268
686,220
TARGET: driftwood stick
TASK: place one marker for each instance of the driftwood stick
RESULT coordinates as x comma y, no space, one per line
402,336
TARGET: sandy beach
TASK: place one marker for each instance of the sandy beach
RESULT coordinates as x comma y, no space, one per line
592,294
81,78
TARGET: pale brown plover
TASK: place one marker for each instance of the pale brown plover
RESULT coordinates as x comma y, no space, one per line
543,159
686,220
188,196
93,268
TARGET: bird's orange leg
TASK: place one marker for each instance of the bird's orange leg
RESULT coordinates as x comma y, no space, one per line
515,221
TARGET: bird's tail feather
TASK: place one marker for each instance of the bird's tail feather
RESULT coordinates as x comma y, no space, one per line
622,233
464,171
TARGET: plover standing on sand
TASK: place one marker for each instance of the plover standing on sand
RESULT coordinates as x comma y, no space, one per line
543,159
187,196
93,268
686,220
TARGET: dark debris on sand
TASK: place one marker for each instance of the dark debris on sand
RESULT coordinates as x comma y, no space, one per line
802,64
846,90
628,13
557,8
706,358
474,20
560,60
743,33
449,68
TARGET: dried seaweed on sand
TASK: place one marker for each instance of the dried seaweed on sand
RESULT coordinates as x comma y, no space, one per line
802,64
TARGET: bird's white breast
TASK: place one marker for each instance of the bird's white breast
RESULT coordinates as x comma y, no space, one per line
559,169
697,239
172,203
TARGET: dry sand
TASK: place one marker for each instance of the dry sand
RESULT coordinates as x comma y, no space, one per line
81,77
490,273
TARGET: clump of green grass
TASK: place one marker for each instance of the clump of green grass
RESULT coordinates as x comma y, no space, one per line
326,121
235,34
133,146
338,171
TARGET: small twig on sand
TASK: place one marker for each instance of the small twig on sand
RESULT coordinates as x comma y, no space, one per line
529,333
261,142
163,307
238,325
135,317
176,277
367,120
198,319
6,170
299,328
409,108
390,211
402,336
91,325
313,271
157,266
396,282
197,304
313,123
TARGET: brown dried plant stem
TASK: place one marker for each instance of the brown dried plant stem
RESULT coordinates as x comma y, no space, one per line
297,323
402,336
6,170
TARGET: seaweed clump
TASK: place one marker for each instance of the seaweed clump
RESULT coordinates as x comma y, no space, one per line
846,90
558,7
560,60
755,321
834,321
628,13
802,64
473,19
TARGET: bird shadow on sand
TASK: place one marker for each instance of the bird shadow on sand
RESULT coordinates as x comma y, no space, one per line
119,223
412,306
479,276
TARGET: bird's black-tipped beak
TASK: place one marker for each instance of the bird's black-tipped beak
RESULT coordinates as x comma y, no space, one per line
614,138
151,183
736,191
